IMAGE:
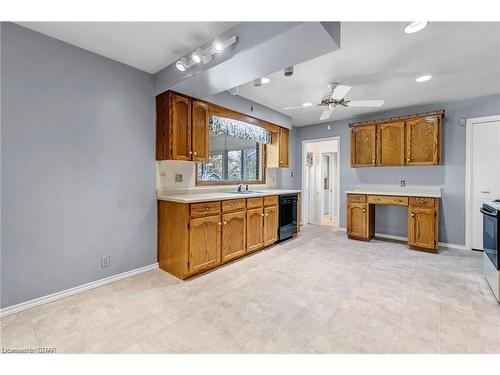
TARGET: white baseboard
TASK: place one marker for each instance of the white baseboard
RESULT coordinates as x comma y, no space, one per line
405,239
77,289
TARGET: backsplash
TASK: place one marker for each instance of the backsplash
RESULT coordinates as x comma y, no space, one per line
166,171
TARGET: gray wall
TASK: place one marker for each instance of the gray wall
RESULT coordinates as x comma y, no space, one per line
77,159
450,175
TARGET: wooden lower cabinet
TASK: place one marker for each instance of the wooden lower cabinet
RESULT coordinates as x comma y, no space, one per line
270,234
204,243
255,223
360,219
423,228
233,235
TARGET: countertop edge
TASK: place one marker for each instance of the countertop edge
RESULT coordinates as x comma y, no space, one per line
415,194
226,196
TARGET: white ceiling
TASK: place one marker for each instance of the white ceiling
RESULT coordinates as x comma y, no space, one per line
149,46
380,61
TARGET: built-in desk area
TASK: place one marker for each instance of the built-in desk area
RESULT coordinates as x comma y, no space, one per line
423,213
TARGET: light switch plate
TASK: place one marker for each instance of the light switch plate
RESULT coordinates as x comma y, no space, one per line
178,177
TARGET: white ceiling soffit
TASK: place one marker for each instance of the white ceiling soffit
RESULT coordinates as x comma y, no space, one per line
148,46
262,48
380,61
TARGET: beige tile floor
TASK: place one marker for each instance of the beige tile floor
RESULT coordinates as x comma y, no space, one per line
319,293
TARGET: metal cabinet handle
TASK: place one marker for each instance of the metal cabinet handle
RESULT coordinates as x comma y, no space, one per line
266,214
373,161
261,214
364,209
225,222
407,159
195,153
190,152
413,214
281,161
219,223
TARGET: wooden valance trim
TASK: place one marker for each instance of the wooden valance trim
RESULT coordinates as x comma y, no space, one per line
398,118
217,110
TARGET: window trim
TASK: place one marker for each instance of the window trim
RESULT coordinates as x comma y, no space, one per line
236,182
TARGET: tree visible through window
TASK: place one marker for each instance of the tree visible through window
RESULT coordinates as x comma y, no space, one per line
232,159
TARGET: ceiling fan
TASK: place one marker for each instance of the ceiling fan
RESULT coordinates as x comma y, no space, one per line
336,98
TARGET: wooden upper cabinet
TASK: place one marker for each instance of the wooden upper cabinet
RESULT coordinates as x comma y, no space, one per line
204,243
255,221
423,141
363,147
200,131
422,227
270,234
391,144
283,147
173,127
233,235
180,129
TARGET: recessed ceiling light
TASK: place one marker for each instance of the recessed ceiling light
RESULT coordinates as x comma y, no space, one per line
415,27
307,105
423,78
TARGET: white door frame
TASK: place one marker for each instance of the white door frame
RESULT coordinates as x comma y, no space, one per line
469,123
337,173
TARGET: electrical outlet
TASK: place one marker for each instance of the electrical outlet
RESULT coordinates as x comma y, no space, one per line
105,261
403,183
178,177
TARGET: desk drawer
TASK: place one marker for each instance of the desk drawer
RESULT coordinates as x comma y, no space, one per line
422,201
205,208
254,202
388,199
356,198
233,204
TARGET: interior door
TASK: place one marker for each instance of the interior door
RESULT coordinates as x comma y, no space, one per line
233,235
204,243
180,127
485,174
200,131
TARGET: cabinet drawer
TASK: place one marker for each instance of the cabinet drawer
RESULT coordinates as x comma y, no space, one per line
385,199
271,201
422,202
254,202
357,198
205,208
233,205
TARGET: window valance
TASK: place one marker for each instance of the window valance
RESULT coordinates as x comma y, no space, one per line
239,129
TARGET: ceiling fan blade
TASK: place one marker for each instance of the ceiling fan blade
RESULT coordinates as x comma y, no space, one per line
326,114
340,91
365,103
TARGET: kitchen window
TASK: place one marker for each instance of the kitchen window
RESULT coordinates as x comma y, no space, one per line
236,153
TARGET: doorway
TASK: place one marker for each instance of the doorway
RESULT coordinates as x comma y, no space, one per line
320,181
482,174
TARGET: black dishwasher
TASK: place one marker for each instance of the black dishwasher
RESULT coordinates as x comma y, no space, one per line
287,216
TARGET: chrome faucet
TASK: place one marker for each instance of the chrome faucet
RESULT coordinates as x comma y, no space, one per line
240,188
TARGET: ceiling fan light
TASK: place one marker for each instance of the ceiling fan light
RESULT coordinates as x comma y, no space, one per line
415,27
265,80
331,106
307,104
423,78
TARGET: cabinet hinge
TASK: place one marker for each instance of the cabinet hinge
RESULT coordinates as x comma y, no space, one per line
189,225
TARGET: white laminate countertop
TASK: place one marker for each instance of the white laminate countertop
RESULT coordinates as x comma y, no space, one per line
408,191
194,197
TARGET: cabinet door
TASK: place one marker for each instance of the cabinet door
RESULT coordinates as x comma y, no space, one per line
200,131
233,235
363,148
180,127
270,225
357,220
254,229
422,230
423,141
283,149
204,243
391,144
